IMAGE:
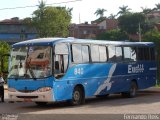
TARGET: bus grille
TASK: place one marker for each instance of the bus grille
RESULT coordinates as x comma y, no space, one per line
27,96
26,91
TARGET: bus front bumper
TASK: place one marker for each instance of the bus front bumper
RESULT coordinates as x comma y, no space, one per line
35,96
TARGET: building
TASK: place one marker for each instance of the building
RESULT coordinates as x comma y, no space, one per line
154,18
153,15
108,24
84,30
14,30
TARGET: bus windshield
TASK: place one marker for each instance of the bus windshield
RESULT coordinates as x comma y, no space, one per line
30,62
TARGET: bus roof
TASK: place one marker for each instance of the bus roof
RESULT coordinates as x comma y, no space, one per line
51,41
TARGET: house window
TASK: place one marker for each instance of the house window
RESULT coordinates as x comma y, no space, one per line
85,32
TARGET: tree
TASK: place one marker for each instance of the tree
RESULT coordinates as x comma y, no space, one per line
51,21
112,16
115,35
154,36
123,10
146,10
100,12
4,49
27,21
157,8
130,22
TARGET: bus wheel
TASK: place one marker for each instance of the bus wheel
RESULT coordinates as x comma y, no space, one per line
132,91
41,103
77,96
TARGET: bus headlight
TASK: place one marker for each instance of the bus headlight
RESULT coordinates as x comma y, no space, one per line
44,89
11,89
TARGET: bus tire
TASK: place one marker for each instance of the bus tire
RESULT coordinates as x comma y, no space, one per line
78,96
41,103
132,91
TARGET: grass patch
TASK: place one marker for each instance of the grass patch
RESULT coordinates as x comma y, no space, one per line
158,85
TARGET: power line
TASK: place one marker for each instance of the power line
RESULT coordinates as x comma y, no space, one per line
38,5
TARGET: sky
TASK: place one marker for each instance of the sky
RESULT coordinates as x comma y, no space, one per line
83,10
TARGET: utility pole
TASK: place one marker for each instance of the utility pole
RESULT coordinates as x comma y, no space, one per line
139,28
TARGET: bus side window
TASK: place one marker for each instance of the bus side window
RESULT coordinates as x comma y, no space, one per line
103,53
130,54
133,54
118,54
95,53
143,53
80,53
76,53
146,53
127,54
112,53
140,53
85,54
56,70
152,54
61,60
57,65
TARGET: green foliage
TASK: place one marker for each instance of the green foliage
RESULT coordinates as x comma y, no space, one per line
100,12
157,7
130,22
112,16
146,10
115,35
123,10
154,36
158,85
51,21
4,49
27,21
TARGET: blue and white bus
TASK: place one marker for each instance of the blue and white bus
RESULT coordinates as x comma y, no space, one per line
68,69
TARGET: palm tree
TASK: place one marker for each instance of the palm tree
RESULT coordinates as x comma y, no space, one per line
124,10
112,16
157,7
146,10
100,12
41,7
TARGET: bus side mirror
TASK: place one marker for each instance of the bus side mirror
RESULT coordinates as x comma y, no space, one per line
4,63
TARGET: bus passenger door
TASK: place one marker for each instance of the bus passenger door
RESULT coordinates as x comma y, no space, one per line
61,62
60,65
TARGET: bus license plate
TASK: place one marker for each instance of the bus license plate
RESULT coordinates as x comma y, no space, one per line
27,100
